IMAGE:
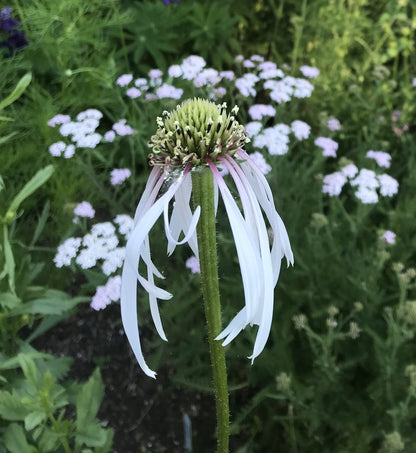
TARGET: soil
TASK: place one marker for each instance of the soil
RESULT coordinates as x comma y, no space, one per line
146,414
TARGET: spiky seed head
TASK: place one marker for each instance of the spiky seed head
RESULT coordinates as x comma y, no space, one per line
197,129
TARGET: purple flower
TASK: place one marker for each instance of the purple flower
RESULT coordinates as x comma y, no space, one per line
109,136
124,80
260,162
300,129
56,149
106,294
133,92
122,128
84,209
333,183
167,2
192,263
169,91
257,111
388,185
382,158
349,170
59,119
175,71
192,66
309,71
388,237
334,124
246,84
328,145
15,37
119,175
253,128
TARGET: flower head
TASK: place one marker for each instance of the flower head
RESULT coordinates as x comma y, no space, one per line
198,136
196,130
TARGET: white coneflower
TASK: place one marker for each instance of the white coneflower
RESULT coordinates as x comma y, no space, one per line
198,136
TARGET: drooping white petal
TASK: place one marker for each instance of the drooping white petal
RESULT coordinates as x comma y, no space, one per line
136,245
264,306
145,254
246,250
281,243
154,311
151,190
237,324
182,218
189,233
129,316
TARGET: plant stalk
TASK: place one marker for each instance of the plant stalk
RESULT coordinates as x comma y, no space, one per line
203,195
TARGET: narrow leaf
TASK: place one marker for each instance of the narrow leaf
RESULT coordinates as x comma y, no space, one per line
7,137
20,88
40,178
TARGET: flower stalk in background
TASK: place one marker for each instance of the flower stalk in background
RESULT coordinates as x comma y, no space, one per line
188,145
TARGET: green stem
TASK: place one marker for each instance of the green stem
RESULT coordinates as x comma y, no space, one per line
203,195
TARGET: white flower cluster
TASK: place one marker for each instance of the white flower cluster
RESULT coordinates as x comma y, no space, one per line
100,247
365,181
82,132
276,138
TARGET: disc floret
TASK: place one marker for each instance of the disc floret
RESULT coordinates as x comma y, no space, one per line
196,130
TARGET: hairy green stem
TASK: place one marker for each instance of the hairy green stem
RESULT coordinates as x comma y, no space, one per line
203,195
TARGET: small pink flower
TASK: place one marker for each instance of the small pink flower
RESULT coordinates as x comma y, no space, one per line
124,80
192,263
389,237
328,145
309,71
119,175
84,209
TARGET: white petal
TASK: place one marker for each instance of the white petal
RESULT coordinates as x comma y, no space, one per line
129,316
237,324
136,245
154,310
190,231
264,310
182,218
151,190
264,195
246,250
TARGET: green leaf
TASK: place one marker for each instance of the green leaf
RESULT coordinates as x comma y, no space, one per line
9,300
7,137
40,178
20,88
46,306
25,348
49,441
92,435
11,406
5,118
29,369
34,419
106,447
89,400
15,440
41,224
9,263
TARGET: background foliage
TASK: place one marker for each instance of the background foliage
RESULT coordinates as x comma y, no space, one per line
339,371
